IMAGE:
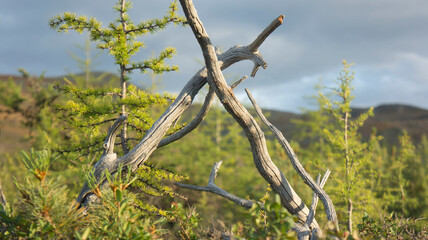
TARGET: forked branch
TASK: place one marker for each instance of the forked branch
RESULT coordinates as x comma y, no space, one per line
206,106
212,188
142,151
261,158
326,200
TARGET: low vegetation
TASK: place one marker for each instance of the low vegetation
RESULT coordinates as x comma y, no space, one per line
378,189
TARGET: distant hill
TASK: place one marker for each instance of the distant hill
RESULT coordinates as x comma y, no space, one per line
390,120
107,78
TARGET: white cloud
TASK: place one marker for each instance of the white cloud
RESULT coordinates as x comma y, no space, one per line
386,39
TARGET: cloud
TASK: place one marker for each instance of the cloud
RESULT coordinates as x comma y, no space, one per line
403,79
386,39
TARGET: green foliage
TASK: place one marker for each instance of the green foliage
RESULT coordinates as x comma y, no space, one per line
392,227
116,218
404,182
187,221
11,95
353,156
119,38
37,162
46,211
152,180
268,221
218,137
43,211
381,178
88,111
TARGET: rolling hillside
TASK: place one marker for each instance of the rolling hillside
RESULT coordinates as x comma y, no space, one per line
390,121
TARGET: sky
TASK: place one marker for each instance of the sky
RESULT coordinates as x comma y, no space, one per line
387,40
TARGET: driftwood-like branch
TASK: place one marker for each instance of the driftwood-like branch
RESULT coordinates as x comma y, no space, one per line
3,200
194,123
314,204
235,84
303,230
270,172
198,118
326,200
141,152
111,135
86,196
212,188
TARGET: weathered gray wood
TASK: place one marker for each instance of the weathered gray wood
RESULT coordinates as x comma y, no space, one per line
307,179
194,123
261,158
106,161
154,135
198,118
212,188
314,204
3,200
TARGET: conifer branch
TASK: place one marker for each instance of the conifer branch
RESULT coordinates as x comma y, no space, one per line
140,130
81,148
152,25
95,124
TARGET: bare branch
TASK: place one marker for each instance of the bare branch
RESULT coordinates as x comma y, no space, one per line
86,196
314,204
262,37
3,200
303,230
270,172
194,123
112,133
212,188
198,118
313,208
141,152
328,204
234,85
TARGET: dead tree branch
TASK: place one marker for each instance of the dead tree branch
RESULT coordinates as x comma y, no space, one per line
261,158
212,188
141,152
194,123
328,204
3,200
206,106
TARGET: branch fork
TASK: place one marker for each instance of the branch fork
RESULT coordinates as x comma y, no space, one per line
212,74
213,188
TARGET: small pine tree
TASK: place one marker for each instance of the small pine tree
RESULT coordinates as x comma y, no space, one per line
89,110
348,151
405,180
